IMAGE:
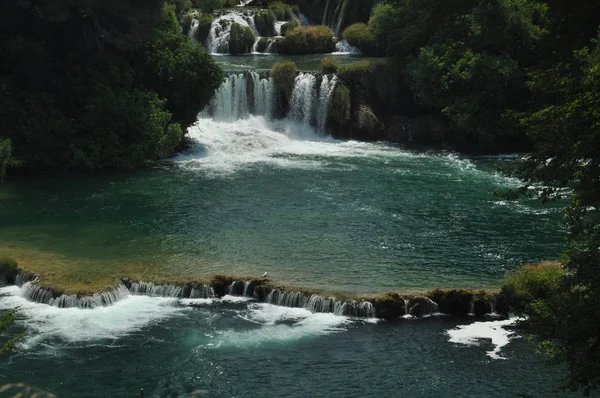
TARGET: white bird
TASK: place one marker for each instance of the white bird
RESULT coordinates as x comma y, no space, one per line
264,275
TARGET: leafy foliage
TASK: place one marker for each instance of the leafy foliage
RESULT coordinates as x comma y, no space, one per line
308,40
112,84
532,282
329,65
282,11
359,35
241,39
288,27
264,21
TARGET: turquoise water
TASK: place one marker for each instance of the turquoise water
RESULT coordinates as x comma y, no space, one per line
250,196
263,62
311,211
225,349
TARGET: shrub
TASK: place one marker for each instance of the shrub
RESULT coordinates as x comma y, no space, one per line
283,74
241,39
355,70
182,6
229,3
329,65
359,35
207,6
288,27
264,21
532,282
8,269
204,23
282,11
308,40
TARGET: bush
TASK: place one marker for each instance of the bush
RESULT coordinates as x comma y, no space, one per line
288,27
204,24
359,35
229,3
264,21
241,39
283,74
329,65
308,40
355,71
532,282
282,11
8,269
207,6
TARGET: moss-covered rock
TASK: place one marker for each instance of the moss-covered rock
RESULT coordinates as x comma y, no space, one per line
241,39
368,122
283,74
482,307
453,302
421,306
389,306
308,40
339,108
288,27
264,21
8,270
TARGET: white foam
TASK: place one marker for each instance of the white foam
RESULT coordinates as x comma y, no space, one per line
278,325
227,147
473,333
45,322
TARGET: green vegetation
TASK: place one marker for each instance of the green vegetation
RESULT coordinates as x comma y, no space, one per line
204,23
340,106
7,320
530,283
241,39
264,21
229,3
206,6
288,27
329,65
283,74
282,11
113,85
359,35
6,158
308,40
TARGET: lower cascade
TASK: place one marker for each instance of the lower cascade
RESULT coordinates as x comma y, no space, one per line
387,306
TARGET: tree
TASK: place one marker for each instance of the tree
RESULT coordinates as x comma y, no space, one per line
566,135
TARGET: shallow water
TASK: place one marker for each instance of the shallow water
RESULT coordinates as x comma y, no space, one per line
223,348
255,196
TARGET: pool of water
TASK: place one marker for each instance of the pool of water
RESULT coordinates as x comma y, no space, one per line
230,348
263,62
254,196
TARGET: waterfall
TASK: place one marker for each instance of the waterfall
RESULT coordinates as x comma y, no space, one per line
242,94
327,87
278,26
343,47
325,19
303,19
269,48
193,291
254,49
193,29
422,306
218,37
303,98
41,295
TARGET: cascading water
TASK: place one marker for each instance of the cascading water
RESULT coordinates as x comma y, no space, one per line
243,94
303,98
32,292
343,47
218,37
327,87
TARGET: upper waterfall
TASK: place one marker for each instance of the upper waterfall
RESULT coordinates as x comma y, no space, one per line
218,37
